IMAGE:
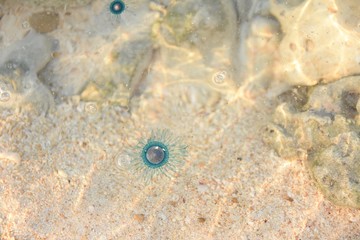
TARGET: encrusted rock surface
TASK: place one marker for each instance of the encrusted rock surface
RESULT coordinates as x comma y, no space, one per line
317,46
44,22
348,14
336,169
53,3
324,130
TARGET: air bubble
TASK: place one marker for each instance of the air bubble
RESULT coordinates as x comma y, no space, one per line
4,96
219,77
25,25
91,108
123,161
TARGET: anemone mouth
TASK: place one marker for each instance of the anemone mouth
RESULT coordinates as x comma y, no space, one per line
155,154
117,7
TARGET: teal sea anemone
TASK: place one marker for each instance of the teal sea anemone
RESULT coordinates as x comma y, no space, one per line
160,154
118,9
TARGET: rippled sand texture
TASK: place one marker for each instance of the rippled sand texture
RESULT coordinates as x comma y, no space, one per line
259,91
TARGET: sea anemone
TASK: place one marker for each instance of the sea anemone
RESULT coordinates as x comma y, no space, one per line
160,154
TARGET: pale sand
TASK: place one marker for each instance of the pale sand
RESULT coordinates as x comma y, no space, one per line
60,177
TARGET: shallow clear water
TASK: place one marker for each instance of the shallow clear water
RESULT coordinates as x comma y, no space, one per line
165,119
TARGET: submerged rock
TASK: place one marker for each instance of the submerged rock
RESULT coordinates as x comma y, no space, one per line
336,169
253,53
348,14
325,133
44,22
120,70
199,25
203,24
340,97
321,32
20,87
118,80
256,53
54,3
289,3
196,41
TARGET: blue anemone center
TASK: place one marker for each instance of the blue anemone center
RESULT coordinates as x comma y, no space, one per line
155,154
117,7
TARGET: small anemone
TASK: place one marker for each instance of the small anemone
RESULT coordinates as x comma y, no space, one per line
160,154
118,9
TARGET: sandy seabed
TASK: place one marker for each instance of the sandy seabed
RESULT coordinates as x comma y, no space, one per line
62,174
